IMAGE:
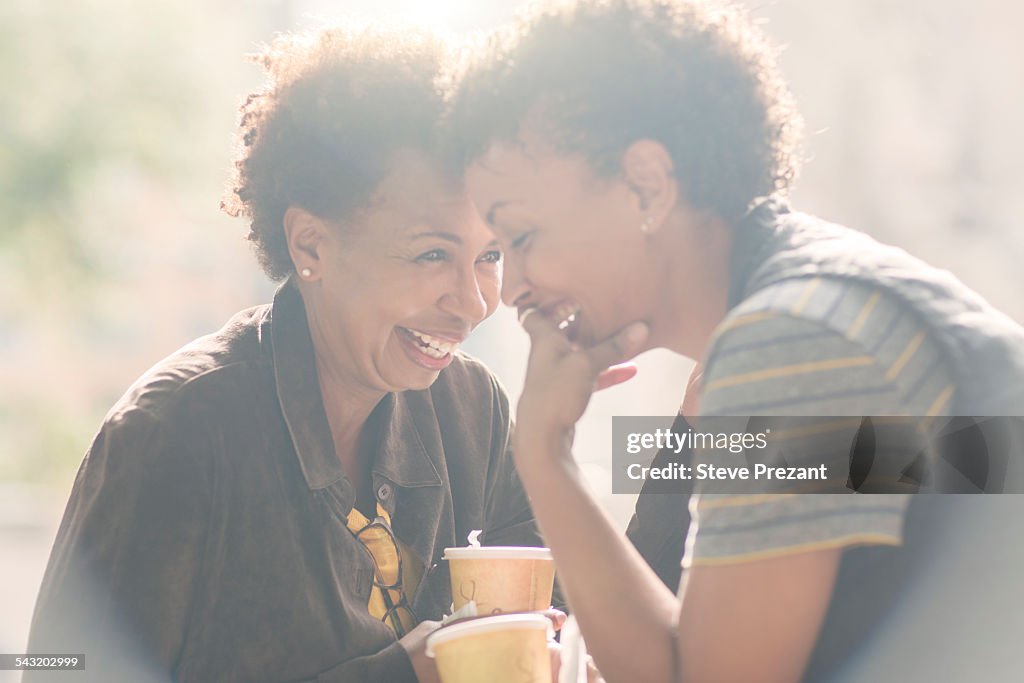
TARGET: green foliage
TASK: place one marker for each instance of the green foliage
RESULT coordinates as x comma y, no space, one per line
99,92
116,130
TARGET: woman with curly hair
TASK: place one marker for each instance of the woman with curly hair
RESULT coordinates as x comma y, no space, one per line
633,157
270,503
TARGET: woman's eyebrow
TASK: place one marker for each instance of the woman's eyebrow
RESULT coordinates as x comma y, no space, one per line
489,215
450,237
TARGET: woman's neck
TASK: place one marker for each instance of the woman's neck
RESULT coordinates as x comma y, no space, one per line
349,408
692,291
348,403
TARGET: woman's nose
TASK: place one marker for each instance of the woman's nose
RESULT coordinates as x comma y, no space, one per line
514,286
468,297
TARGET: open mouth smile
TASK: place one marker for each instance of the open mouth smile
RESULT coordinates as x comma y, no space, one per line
430,351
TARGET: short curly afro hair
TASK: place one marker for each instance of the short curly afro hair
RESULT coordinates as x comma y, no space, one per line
321,134
696,77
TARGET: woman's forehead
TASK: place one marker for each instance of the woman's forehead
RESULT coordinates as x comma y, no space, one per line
519,173
414,174
416,197
416,183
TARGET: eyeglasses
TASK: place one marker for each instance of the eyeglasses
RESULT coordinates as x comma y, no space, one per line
380,543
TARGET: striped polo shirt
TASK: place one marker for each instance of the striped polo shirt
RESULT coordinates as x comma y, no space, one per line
814,347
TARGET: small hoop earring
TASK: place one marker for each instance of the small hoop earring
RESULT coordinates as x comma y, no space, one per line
306,272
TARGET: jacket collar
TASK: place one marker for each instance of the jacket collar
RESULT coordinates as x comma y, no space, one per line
754,238
401,456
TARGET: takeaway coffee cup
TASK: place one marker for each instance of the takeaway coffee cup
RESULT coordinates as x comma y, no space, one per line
501,578
508,648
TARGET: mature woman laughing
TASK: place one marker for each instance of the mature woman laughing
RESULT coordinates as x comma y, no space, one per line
270,502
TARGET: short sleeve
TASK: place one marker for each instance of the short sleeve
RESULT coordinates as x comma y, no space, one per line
812,349
730,529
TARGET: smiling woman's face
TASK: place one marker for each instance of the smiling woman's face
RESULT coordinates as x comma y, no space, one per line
396,289
573,241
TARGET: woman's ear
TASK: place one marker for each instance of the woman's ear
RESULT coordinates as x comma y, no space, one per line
650,173
305,234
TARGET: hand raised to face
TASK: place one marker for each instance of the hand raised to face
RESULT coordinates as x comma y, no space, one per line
561,376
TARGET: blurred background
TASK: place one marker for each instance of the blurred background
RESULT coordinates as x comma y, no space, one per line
116,137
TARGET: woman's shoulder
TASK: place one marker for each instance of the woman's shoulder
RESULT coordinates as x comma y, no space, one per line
230,361
820,341
863,314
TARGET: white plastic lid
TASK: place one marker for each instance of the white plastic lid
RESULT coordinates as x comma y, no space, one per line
497,552
502,622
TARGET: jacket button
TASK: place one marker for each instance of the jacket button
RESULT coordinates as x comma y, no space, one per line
383,492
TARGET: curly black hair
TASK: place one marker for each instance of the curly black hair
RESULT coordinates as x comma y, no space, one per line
698,78
321,134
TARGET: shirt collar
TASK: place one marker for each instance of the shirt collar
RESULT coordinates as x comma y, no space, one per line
753,242
401,456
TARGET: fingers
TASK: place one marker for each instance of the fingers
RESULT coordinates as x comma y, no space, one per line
421,631
426,626
556,616
620,347
617,374
539,327
415,644
555,651
617,348
534,322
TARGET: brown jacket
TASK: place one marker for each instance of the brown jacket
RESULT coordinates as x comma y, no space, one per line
205,537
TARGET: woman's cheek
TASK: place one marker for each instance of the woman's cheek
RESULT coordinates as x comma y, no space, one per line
490,288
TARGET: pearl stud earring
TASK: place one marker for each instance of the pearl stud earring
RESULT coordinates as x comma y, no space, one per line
306,272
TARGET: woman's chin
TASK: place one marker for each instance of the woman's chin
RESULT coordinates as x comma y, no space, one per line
398,378
421,380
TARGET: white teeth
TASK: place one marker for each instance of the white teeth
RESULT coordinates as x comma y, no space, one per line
432,352
435,348
565,315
